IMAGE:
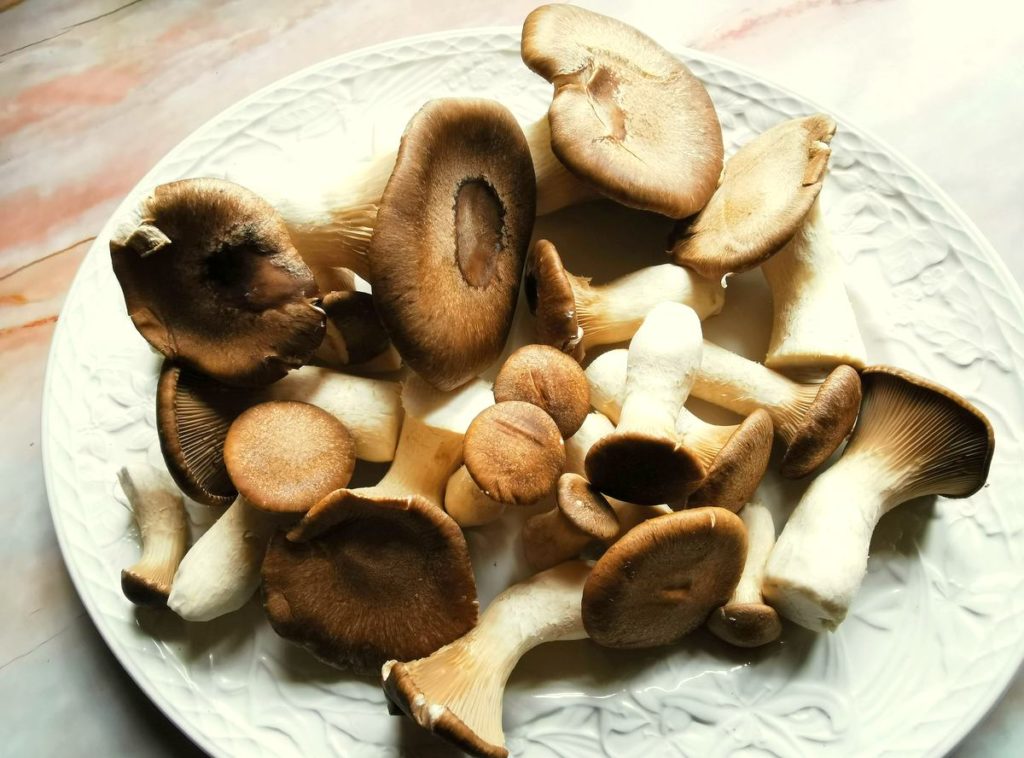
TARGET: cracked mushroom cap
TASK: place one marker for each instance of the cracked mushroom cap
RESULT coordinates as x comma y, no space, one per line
548,378
211,280
627,117
352,320
451,238
514,452
383,579
735,469
765,192
663,578
826,423
550,296
283,455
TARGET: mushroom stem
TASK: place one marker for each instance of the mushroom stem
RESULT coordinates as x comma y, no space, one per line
426,457
457,692
467,503
557,187
813,327
160,514
913,439
760,540
549,538
222,570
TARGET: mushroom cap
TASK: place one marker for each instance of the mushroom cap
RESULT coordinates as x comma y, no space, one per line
451,237
586,508
388,578
283,455
514,452
765,192
627,117
825,424
662,579
739,467
746,624
644,469
355,318
193,414
548,378
550,296
211,280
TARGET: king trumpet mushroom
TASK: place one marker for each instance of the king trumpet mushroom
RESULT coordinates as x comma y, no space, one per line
282,457
582,516
467,504
163,526
812,420
355,338
551,380
457,691
913,439
574,315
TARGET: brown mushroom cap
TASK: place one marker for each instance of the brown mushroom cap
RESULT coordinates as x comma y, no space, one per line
193,413
389,578
765,192
662,579
739,466
283,455
586,508
514,452
451,237
211,280
627,117
643,469
352,318
825,425
746,624
550,296
548,378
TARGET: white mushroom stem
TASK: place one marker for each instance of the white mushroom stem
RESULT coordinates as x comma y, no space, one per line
467,503
760,540
814,327
612,312
467,677
222,570
557,187
160,515
371,409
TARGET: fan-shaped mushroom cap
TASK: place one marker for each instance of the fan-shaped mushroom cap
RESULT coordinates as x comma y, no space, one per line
354,334
736,458
765,192
386,579
548,378
581,517
283,456
662,579
825,424
627,117
514,452
451,237
212,281
550,296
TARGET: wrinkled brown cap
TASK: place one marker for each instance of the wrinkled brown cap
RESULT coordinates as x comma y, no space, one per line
387,579
549,295
644,469
514,452
738,467
662,579
627,117
548,378
746,624
193,413
212,281
765,192
354,326
451,238
823,427
283,455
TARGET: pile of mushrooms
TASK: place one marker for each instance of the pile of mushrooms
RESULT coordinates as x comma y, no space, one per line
641,519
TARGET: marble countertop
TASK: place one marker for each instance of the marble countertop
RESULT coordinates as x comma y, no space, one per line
94,92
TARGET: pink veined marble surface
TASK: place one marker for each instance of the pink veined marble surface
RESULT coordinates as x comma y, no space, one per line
94,92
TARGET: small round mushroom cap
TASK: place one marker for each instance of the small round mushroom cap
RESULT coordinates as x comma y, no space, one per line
451,238
644,469
586,508
627,117
663,578
514,452
548,378
739,466
746,624
765,192
550,296
211,280
355,318
390,578
193,414
284,456
825,424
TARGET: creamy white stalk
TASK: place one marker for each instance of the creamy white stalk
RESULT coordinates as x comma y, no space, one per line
467,503
760,541
557,187
159,510
813,327
467,678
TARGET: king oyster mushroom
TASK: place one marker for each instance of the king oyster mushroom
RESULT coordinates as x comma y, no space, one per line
211,280
450,242
574,315
549,379
913,438
466,503
355,338
282,457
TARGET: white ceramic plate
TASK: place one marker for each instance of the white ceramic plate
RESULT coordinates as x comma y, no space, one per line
934,636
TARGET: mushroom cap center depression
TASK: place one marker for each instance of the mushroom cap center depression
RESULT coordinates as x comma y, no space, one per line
245,274
479,231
